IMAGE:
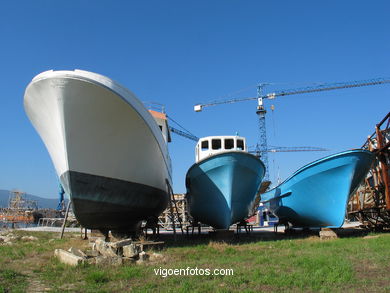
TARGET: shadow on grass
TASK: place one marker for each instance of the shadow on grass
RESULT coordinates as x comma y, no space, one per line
182,240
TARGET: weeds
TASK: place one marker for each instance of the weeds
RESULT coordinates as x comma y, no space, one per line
294,265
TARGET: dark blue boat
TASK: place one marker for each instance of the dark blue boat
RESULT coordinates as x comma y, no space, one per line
222,184
317,194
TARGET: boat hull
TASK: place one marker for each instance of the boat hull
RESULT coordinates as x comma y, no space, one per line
107,149
317,194
105,203
221,189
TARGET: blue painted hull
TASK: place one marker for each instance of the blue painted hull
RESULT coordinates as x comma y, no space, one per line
317,194
222,188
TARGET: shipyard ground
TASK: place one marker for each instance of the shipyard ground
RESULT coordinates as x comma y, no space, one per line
263,261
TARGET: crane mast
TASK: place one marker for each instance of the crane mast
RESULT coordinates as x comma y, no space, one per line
261,147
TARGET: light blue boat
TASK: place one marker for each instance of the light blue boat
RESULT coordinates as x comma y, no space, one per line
222,184
317,194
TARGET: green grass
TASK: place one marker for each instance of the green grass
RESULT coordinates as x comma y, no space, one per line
292,265
10,278
97,278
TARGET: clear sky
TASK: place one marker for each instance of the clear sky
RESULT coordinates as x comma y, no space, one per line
179,53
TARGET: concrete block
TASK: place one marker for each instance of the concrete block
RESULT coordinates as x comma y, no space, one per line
104,248
327,234
9,239
131,250
29,238
143,256
68,258
91,253
102,260
121,243
77,252
116,261
107,260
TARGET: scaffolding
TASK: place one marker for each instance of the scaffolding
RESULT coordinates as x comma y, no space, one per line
19,210
17,201
370,204
179,212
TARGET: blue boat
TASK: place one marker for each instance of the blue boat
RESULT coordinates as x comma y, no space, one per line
222,184
317,194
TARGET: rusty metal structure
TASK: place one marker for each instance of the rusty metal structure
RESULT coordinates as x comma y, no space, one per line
177,213
22,210
19,210
371,202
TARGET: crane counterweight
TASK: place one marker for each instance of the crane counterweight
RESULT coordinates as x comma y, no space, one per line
198,108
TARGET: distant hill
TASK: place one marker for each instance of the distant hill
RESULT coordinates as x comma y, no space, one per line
43,203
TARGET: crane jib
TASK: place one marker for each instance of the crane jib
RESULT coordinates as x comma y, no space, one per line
262,145
310,89
327,88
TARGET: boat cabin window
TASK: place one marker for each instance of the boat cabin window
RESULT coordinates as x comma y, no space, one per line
216,144
160,127
205,145
229,144
240,144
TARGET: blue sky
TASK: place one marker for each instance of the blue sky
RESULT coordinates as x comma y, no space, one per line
179,53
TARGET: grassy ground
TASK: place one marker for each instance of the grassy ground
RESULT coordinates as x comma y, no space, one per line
271,264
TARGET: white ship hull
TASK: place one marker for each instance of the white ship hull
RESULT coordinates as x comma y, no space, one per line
108,151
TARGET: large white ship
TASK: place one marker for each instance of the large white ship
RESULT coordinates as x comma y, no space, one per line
108,150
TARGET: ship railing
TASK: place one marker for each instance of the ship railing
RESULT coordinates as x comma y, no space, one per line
154,106
50,222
